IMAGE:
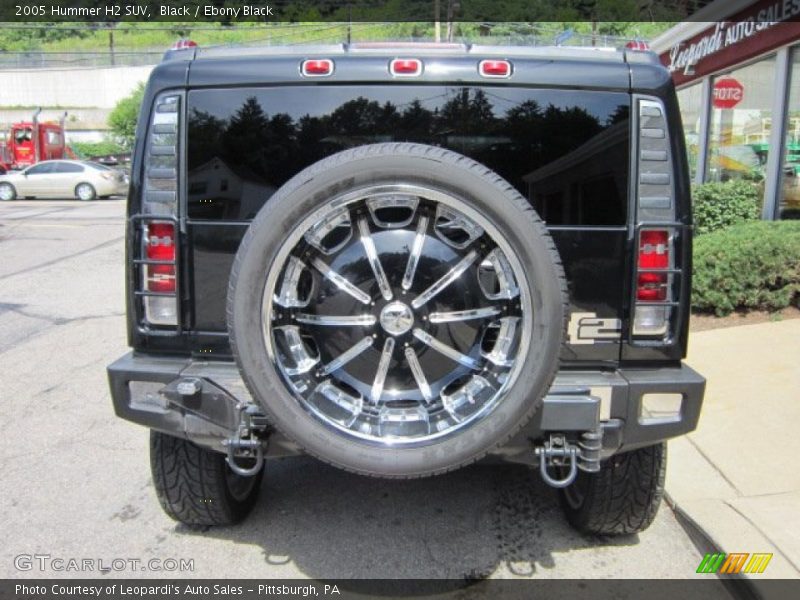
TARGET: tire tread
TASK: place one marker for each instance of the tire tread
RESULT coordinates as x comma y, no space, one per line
624,497
190,483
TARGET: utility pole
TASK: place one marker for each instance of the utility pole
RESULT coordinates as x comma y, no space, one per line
111,45
349,23
437,26
449,20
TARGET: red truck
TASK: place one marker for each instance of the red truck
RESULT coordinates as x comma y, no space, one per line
29,142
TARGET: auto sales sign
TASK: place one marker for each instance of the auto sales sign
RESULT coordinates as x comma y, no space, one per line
755,30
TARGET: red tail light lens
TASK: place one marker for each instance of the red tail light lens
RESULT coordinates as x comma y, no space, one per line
160,245
651,287
654,249
653,254
317,67
405,66
495,68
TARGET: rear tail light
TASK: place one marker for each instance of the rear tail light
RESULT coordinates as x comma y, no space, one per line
408,67
494,68
657,278
653,254
158,225
160,282
317,67
653,283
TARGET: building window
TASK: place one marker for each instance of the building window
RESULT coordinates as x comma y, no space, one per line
690,100
739,135
790,182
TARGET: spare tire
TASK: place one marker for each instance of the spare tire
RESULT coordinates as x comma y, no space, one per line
397,310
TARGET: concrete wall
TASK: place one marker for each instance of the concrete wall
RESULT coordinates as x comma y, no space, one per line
88,88
83,124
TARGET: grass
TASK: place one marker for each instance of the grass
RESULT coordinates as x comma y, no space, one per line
67,37
128,37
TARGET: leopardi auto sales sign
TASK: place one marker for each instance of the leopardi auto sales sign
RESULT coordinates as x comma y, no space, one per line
755,30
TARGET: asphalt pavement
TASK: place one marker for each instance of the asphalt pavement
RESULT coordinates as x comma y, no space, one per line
77,482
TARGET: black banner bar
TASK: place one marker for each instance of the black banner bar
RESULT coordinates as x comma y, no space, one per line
269,11
705,587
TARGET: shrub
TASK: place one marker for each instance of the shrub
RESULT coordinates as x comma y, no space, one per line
122,119
720,205
89,149
747,266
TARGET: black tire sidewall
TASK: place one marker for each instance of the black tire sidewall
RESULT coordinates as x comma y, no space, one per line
414,164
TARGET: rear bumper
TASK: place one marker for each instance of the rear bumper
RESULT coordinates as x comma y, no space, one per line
633,407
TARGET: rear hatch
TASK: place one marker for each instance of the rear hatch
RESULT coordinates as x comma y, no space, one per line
560,131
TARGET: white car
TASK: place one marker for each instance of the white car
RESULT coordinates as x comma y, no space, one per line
63,179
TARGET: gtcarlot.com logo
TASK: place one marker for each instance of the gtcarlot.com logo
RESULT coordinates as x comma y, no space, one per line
734,563
47,562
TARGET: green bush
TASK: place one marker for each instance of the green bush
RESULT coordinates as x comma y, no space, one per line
720,205
122,119
88,149
747,266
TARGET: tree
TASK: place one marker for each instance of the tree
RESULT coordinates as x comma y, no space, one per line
123,117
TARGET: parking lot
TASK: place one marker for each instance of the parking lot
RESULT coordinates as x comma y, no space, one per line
77,482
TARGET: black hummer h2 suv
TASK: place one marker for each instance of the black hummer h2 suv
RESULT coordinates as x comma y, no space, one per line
402,259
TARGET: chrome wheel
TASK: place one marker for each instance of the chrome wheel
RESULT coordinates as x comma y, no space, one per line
84,191
397,314
7,192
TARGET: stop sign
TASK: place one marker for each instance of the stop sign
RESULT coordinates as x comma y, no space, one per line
727,93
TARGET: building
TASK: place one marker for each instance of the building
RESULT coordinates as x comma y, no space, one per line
737,68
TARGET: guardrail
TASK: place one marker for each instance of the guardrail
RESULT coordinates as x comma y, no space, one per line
149,56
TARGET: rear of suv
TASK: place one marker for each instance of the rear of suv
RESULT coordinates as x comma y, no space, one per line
402,259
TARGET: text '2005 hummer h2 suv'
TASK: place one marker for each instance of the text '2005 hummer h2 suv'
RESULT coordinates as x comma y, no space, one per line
402,259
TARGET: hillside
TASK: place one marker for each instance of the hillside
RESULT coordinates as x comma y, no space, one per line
121,37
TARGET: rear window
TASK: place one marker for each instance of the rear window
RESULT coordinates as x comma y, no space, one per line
68,168
564,150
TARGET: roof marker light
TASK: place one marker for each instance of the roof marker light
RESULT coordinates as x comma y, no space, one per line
184,43
638,45
494,68
317,67
405,67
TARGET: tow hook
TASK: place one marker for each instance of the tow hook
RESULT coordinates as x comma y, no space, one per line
245,443
558,452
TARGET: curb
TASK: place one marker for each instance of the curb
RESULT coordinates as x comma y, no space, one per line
739,586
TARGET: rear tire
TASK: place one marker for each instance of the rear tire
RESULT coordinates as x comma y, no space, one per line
623,498
195,486
7,192
85,192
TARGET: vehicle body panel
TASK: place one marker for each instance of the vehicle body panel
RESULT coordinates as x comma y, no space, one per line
597,255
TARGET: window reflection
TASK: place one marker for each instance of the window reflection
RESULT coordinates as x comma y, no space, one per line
690,100
739,136
789,207
564,150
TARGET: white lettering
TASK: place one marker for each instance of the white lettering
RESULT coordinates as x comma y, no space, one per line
727,34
